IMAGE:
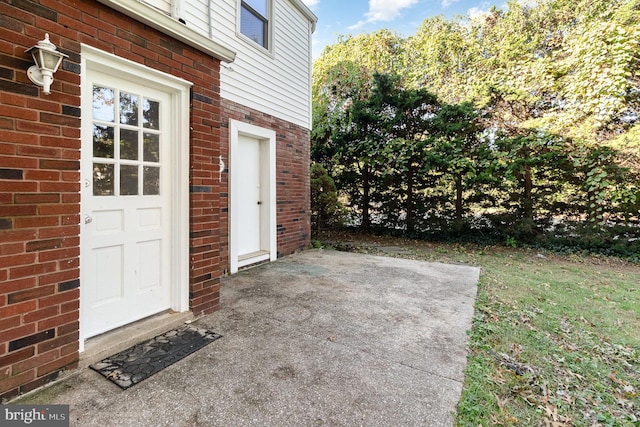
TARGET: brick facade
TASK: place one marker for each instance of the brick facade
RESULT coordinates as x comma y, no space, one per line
40,178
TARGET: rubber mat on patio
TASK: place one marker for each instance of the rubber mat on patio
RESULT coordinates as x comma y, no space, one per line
141,361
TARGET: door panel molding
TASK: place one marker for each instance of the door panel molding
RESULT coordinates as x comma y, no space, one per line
266,139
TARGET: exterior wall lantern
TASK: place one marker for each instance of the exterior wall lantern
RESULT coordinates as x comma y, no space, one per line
47,60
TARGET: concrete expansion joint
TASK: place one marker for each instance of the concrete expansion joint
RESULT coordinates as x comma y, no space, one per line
445,377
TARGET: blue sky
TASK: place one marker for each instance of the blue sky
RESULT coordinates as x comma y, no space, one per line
337,17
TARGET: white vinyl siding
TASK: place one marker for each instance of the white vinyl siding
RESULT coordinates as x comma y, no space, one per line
162,5
196,15
276,82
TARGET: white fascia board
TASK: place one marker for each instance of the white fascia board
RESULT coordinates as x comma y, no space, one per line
171,27
307,13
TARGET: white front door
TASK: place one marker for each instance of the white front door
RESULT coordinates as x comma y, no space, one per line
126,203
250,202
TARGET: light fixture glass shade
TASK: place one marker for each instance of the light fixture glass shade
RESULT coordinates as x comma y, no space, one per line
50,60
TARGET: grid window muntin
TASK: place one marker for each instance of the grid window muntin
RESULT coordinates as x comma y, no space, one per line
126,143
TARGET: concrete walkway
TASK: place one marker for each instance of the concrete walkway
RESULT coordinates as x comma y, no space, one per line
318,338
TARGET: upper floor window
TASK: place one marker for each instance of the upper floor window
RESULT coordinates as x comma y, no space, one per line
254,21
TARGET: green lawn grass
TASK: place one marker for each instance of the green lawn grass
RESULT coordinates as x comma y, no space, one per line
555,340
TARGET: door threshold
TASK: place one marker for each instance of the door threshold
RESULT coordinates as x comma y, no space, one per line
253,258
104,345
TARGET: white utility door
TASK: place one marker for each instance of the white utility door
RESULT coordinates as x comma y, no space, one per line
126,203
250,197
252,222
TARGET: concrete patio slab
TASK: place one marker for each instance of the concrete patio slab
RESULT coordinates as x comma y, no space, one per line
318,338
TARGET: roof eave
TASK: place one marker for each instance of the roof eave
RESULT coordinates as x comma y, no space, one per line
313,19
171,27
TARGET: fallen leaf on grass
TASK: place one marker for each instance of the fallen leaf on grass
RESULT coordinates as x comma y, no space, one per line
551,411
552,419
577,376
516,349
501,402
570,347
564,395
628,390
614,379
519,369
498,378
587,322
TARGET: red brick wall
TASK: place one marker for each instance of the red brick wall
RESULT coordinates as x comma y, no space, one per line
40,176
204,216
292,178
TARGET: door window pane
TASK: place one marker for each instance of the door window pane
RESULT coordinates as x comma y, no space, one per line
151,147
151,114
103,179
151,181
103,142
103,104
128,144
128,109
128,180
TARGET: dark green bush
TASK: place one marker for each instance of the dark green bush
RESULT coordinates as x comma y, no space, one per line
326,209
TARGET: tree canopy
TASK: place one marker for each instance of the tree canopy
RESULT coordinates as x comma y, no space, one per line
570,67
516,115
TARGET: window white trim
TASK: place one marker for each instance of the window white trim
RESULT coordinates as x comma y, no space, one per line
267,138
179,90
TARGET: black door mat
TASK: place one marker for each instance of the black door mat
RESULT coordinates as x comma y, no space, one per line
139,362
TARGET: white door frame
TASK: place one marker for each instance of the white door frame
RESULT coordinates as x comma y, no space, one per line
179,90
268,238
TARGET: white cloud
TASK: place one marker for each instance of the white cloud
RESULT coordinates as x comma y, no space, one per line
383,10
447,3
357,25
482,10
386,10
311,3
476,12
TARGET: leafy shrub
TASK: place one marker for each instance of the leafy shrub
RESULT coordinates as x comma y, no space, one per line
326,209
